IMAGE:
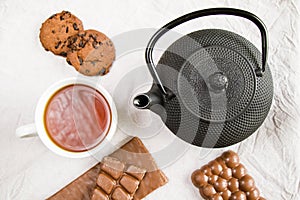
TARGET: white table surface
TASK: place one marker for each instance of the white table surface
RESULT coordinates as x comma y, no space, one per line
28,170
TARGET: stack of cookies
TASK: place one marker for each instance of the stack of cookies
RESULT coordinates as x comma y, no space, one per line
90,52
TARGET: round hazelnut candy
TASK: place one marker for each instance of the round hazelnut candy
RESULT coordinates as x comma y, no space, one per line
215,166
239,171
221,161
199,179
226,194
239,195
201,192
216,197
220,184
246,183
231,159
261,198
208,191
253,195
206,169
212,179
233,185
226,173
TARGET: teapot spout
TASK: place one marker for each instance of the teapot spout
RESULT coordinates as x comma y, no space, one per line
146,100
142,101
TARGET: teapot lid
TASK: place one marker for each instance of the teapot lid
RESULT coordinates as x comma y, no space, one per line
216,83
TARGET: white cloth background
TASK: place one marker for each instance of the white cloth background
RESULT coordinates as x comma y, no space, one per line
28,170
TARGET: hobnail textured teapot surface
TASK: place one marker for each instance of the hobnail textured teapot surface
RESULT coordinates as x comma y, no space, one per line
212,87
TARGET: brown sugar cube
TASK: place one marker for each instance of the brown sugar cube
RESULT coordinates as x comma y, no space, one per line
99,195
113,167
120,194
129,183
136,172
105,183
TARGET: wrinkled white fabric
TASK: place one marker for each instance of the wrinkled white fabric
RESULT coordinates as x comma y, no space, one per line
28,170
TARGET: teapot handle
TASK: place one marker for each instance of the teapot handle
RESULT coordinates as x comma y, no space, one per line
201,13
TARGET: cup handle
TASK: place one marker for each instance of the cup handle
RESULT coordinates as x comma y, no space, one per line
28,130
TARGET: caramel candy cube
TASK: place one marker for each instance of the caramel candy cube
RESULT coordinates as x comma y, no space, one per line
113,167
99,195
129,183
105,183
120,194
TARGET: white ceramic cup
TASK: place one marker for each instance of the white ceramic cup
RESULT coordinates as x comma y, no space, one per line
38,128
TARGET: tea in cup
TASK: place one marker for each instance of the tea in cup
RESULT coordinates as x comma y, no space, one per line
74,118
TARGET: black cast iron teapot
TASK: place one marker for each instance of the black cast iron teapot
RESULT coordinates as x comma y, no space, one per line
212,88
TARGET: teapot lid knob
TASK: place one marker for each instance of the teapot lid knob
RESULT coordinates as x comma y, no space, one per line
218,81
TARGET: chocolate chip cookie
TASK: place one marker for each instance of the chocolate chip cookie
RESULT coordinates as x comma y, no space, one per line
91,52
56,29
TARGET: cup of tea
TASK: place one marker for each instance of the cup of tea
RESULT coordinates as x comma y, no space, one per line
75,118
